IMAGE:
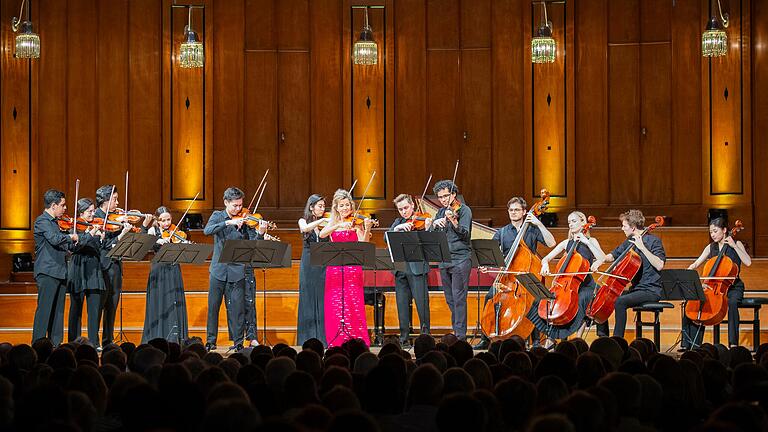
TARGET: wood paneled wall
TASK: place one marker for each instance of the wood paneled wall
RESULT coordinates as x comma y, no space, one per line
629,115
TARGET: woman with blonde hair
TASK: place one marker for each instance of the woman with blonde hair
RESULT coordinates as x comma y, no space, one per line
344,303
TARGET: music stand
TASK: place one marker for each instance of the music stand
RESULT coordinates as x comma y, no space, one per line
683,285
132,247
261,254
342,254
181,253
485,253
384,263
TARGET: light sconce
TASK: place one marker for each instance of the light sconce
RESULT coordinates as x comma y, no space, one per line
714,40
191,52
365,51
27,41
543,46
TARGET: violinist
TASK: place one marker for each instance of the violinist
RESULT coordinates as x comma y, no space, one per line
589,249
166,309
537,234
455,219
411,280
718,231
344,301
112,269
85,280
50,268
311,278
646,285
228,280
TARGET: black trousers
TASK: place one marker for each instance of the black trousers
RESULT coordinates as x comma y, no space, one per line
250,304
693,334
113,279
233,294
455,285
628,300
49,315
410,287
95,302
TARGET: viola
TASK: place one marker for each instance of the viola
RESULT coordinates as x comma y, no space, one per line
571,270
721,271
505,314
253,219
178,235
612,283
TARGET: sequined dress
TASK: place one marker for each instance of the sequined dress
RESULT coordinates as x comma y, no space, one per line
344,302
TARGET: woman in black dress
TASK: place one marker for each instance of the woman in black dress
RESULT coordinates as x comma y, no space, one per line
311,278
166,312
84,277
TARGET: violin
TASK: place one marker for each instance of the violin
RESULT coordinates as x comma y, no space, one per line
358,218
111,225
721,271
613,282
132,216
505,314
253,219
571,271
419,220
65,223
178,235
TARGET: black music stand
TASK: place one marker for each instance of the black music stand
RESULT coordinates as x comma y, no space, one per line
132,247
384,263
485,253
683,285
181,253
342,254
261,254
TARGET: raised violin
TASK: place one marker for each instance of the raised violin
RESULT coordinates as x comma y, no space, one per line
572,268
616,278
720,273
505,314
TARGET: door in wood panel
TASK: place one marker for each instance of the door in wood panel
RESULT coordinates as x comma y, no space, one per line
444,119
476,155
624,123
260,136
293,128
655,119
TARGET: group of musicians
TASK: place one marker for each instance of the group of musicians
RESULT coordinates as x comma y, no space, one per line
76,262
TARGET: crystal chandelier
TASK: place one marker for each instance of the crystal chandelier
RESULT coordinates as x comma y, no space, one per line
543,46
27,41
365,51
191,52
714,40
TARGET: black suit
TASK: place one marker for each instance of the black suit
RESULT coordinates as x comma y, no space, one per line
51,247
411,284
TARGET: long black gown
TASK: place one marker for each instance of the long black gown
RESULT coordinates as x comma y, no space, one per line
311,323
166,311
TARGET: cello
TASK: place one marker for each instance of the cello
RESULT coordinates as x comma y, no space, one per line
505,314
613,281
571,270
721,271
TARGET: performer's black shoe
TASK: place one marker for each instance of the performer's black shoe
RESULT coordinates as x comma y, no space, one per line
238,347
210,347
483,344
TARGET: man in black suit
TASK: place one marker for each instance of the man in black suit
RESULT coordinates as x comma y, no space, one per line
411,279
51,247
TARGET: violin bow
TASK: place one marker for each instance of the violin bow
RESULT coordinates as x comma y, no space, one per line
352,187
357,210
453,181
126,192
260,195
426,186
257,189
183,215
77,193
106,213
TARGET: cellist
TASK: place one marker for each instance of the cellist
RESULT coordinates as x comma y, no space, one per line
589,248
718,231
535,235
646,285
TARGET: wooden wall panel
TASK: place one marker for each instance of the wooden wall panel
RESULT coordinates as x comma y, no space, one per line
655,19
112,72
410,98
444,125
52,88
15,130
259,24
294,123
591,112
656,123
228,126
475,24
686,102
443,18
326,95
82,102
624,123
759,14
477,148
624,21
291,24
260,120
510,42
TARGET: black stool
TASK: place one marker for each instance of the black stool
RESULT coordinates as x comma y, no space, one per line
656,308
754,303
